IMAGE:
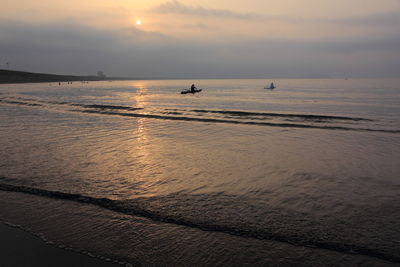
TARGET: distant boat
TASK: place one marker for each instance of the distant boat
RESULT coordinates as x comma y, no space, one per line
271,86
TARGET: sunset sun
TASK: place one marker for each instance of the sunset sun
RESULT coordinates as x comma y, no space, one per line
138,22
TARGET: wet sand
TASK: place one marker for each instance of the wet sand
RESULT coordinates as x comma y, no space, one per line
19,248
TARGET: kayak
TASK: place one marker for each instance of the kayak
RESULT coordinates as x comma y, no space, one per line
190,92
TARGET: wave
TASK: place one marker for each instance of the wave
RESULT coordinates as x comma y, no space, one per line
137,209
301,116
20,103
270,124
111,107
305,121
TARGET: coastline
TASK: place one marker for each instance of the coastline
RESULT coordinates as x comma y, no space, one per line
11,76
20,248
14,77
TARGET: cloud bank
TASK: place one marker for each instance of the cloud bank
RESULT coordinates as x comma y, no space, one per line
72,48
175,7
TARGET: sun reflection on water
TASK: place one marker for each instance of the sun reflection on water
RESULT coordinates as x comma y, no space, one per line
143,147
141,94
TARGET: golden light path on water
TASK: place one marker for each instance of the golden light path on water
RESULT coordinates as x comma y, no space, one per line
141,143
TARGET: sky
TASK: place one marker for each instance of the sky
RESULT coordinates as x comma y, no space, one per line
203,39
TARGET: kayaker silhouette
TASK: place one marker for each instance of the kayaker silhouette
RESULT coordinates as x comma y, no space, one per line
192,88
272,86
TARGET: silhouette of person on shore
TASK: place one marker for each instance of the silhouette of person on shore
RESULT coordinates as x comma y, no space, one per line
192,88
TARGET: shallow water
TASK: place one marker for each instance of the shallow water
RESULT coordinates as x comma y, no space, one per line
313,163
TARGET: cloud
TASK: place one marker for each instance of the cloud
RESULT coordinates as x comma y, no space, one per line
72,48
176,7
200,26
382,19
75,48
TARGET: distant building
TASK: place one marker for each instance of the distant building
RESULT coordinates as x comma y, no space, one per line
100,74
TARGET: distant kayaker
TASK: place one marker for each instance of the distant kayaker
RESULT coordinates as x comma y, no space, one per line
192,88
272,86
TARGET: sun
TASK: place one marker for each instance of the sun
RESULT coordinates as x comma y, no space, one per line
138,22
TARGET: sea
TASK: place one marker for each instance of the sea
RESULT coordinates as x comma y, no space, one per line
134,172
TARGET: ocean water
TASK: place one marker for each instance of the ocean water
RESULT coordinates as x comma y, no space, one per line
306,174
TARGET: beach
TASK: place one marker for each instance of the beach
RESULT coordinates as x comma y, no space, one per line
19,248
136,240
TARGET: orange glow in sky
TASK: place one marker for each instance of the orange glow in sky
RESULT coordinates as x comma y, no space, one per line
170,37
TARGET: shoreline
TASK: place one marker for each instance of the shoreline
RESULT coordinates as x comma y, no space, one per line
21,248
